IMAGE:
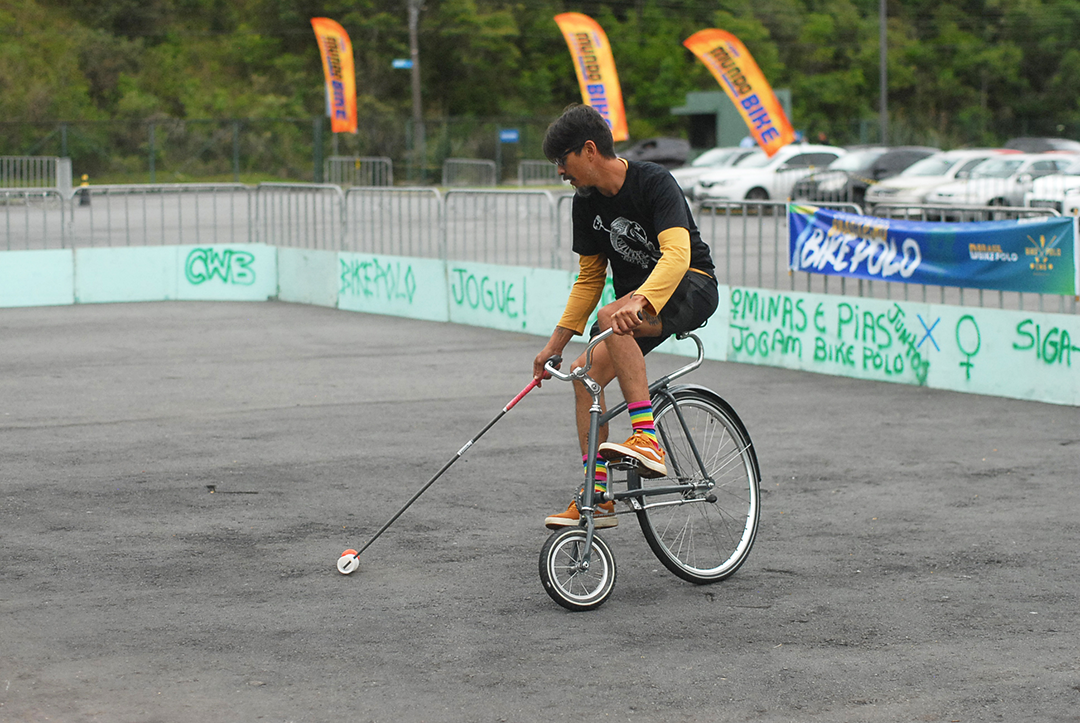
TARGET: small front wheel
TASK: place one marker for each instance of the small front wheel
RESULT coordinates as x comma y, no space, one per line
566,579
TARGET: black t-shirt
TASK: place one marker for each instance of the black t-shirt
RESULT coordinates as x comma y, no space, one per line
624,227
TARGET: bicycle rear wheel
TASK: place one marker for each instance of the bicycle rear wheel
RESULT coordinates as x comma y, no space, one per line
703,535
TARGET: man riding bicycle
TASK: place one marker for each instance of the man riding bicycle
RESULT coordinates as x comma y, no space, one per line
633,217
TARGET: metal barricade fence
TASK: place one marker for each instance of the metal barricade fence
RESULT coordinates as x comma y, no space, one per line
303,215
469,172
36,172
33,219
564,232
958,213
538,173
397,221
509,227
358,171
749,239
159,215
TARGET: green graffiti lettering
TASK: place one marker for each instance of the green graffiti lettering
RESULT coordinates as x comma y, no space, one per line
373,278
231,266
491,295
1053,347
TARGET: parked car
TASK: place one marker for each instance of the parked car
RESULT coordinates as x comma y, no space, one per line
760,177
1051,191
917,180
723,157
1000,181
1042,145
668,152
846,179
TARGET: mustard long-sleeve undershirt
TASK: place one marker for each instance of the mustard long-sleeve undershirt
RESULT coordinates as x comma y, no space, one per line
658,287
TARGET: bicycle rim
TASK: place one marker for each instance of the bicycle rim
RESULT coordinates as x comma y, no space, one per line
560,572
699,540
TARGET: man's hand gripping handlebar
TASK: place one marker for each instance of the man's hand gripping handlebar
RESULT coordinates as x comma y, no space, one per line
551,367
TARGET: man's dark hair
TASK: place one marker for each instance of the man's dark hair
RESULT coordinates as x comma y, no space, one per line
577,124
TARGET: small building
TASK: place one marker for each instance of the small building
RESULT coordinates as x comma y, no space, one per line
714,119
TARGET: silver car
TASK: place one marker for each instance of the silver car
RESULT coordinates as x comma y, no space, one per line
914,183
1000,181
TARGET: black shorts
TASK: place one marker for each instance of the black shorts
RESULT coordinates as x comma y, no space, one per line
694,301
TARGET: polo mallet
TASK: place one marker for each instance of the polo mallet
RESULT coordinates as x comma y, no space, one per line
350,559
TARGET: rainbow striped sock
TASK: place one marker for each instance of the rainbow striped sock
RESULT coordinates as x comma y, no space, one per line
641,418
600,484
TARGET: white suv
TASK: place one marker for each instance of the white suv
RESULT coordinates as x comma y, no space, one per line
761,178
1054,190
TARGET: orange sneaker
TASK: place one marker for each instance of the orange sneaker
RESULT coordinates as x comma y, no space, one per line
649,456
603,517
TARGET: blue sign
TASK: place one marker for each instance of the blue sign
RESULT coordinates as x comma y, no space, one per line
401,63
1027,255
508,135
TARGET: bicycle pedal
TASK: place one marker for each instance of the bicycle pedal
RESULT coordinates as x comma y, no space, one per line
625,464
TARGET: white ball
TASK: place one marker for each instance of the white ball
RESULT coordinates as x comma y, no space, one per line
348,562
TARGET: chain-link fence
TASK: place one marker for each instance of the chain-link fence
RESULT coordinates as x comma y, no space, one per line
270,149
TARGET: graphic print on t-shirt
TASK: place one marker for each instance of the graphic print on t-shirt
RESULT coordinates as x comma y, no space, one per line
629,239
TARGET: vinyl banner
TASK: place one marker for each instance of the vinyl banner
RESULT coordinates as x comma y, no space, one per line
1036,255
595,68
741,78
337,62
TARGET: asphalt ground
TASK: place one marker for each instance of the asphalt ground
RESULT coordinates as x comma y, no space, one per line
177,481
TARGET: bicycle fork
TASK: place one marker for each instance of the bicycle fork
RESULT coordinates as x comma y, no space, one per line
586,506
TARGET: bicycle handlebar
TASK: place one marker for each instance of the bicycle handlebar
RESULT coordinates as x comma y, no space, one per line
580,372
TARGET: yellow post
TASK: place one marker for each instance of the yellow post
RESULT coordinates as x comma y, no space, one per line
84,190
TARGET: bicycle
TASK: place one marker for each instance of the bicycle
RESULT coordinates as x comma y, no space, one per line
700,521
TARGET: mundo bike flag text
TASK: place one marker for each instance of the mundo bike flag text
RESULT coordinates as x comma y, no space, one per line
337,61
741,78
595,68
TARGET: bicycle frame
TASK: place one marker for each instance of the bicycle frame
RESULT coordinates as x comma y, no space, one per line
597,418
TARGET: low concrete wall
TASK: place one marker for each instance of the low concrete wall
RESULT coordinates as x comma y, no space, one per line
1017,354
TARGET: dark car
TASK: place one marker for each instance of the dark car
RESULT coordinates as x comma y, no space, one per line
846,179
668,152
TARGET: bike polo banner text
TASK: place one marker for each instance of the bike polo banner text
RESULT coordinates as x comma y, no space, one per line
1027,255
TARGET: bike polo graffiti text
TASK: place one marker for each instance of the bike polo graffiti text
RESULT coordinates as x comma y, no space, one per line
765,342
1051,347
484,292
391,280
875,340
864,326
766,307
880,360
232,267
